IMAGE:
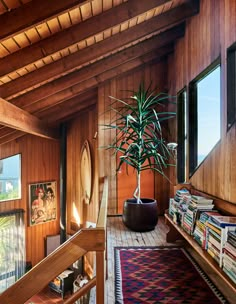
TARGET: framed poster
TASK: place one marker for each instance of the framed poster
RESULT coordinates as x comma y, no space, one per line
42,202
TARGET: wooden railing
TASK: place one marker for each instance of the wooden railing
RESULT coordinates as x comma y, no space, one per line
85,240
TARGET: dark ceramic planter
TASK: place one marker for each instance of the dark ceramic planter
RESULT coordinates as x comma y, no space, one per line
140,217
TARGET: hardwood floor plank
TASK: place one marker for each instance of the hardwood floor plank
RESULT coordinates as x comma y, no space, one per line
119,235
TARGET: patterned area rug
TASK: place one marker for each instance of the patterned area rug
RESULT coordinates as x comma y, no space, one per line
161,275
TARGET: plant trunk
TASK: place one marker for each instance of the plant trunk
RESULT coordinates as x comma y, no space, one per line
138,187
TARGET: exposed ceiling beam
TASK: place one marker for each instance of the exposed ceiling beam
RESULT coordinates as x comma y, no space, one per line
44,105
71,107
66,83
32,13
16,118
10,135
69,63
76,33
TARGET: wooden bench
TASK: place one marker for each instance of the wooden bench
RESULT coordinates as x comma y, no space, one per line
176,233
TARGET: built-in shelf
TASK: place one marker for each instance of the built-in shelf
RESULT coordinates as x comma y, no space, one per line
172,236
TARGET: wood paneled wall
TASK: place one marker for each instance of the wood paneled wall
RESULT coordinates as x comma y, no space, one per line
208,35
119,185
40,162
81,128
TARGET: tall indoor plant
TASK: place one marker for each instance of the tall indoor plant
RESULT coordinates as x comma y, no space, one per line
139,143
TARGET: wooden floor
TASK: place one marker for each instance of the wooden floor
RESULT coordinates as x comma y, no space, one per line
119,235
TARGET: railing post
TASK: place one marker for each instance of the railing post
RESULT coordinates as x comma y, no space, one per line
100,277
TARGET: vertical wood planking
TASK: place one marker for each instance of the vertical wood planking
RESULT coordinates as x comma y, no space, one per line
207,36
122,186
40,162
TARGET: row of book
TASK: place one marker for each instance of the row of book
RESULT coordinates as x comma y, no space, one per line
229,255
217,235
185,208
214,232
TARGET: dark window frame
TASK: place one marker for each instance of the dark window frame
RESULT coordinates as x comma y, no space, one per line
231,86
181,136
193,111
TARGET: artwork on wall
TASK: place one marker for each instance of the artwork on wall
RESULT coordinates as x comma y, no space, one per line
42,202
86,173
10,178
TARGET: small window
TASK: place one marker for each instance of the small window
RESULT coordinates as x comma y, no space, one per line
204,115
231,86
10,178
182,136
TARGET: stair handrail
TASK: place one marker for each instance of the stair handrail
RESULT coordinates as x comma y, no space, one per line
83,241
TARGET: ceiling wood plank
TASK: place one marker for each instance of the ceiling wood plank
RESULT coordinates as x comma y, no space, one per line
16,118
42,106
70,108
107,75
66,83
10,135
33,13
69,63
76,33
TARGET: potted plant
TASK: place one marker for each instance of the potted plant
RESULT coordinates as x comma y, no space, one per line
139,143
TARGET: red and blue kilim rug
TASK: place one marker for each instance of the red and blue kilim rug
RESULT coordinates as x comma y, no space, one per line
161,275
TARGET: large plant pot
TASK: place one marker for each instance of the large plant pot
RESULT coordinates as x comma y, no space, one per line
140,217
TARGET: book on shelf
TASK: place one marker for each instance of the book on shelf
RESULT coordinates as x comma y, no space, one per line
212,226
232,234
213,255
227,257
201,199
230,274
231,241
181,193
212,241
229,264
222,220
228,254
231,249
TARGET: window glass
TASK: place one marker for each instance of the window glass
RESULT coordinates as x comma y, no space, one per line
204,115
12,247
208,113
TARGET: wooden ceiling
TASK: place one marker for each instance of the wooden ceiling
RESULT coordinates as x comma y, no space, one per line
54,54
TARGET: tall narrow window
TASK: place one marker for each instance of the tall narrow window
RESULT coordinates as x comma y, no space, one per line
204,115
12,248
182,136
231,85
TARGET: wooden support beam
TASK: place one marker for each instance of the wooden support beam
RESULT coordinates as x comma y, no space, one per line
9,135
110,62
33,13
70,108
18,119
76,33
94,82
67,82
99,72
105,47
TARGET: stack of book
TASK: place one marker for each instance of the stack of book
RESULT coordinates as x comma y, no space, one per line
227,224
200,202
181,193
199,232
229,255
218,228
213,240
197,205
179,205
